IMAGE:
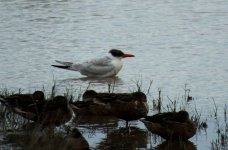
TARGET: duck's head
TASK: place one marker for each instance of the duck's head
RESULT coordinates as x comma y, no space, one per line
38,95
89,95
61,102
140,96
183,115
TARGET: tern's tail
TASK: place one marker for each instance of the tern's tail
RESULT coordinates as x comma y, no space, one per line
63,67
66,65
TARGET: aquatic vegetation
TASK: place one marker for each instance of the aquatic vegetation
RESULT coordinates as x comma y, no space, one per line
90,125
221,142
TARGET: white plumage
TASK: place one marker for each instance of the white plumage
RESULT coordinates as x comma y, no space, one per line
107,66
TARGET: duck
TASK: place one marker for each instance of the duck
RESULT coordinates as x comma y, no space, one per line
82,108
47,112
171,125
22,100
126,106
92,104
132,106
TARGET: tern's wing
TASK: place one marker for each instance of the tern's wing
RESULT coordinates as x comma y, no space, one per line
98,68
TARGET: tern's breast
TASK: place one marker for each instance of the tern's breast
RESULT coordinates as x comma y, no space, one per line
117,65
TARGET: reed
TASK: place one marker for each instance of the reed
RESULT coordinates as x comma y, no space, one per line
11,121
157,103
221,142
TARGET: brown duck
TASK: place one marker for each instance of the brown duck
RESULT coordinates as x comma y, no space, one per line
127,106
171,125
90,108
22,100
48,112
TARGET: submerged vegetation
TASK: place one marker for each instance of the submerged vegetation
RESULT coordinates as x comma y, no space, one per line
12,126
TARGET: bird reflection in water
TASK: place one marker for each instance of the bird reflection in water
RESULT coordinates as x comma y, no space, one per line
95,124
96,121
123,139
177,145
36,140
115,79
100,83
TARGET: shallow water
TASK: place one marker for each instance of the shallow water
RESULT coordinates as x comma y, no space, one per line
175,42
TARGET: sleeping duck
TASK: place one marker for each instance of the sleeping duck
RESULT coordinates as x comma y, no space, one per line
171,125
127,106
46,112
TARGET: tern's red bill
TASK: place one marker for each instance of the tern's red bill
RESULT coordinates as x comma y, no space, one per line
128,55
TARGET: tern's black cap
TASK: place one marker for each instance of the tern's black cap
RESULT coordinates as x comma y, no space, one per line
116,53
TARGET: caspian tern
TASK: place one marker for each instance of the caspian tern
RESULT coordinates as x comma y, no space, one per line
104,67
